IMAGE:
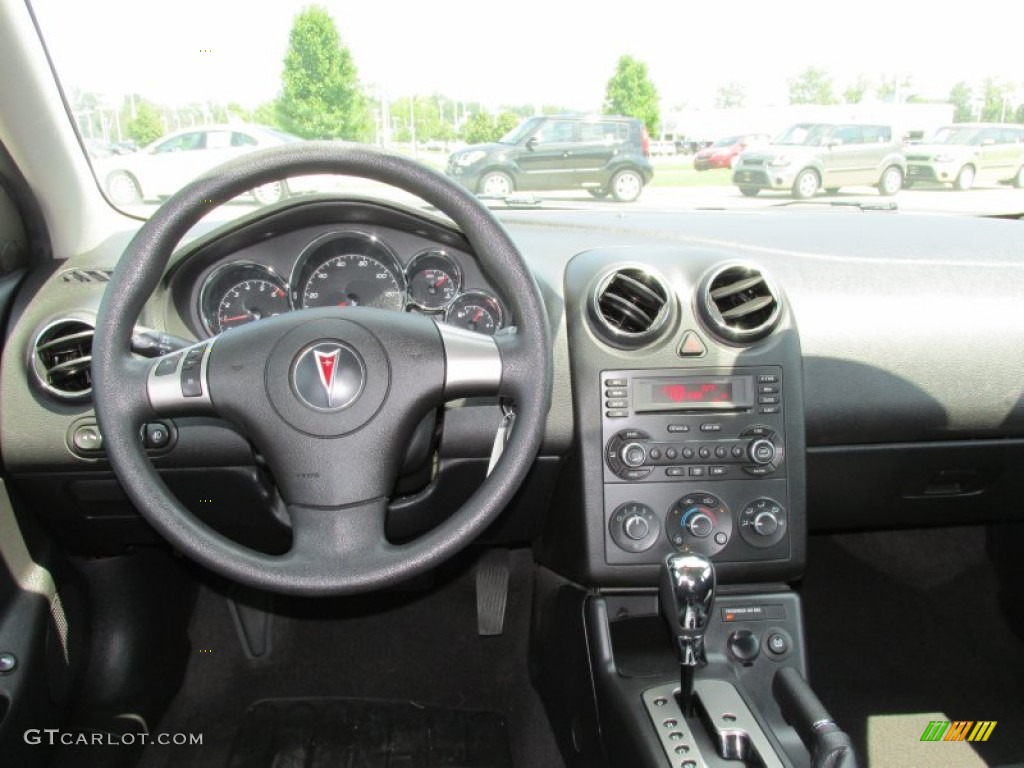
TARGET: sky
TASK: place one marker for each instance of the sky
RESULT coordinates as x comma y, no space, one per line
532,51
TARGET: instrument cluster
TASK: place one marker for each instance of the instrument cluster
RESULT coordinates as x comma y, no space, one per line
343,268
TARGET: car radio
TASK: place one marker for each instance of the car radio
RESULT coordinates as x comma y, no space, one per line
695,460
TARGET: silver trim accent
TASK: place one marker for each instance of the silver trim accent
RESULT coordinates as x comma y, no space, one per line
472,362
165,391
738,738
39,371
410,272
712,317
625,339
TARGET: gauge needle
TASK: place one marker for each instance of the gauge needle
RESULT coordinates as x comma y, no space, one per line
478,315
441,281
234,318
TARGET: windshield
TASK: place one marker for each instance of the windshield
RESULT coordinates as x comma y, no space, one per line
620,111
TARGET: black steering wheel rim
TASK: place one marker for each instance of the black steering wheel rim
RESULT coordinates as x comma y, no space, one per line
122,405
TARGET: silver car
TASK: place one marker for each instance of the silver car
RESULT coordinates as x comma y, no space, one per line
965,153
812,156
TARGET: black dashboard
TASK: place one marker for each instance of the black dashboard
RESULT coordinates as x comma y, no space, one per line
893,344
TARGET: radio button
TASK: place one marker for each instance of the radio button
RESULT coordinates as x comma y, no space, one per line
758,471
675,471
757,431
677,428
713,426
616,414
717,471
654,453
634,474
616,403
633,454
737,451
633,434
767,378
696,472
768,399
671,453
615,382
704,452
770,389
687,453
762,451
768,409
616,392
721,451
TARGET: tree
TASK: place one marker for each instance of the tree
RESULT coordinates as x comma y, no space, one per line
962,97
631,92
812,86
483,127
855,91
146,126
730,95
321,97
997,98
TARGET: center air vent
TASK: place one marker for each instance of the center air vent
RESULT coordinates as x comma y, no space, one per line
631,307
739,303
62,359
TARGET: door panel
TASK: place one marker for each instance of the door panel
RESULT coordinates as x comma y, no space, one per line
546,161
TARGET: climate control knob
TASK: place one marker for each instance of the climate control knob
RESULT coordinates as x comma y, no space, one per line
761,451
763,522
633,454
636,527
700,525
766,524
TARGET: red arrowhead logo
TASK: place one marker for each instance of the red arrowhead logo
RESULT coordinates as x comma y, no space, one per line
327,363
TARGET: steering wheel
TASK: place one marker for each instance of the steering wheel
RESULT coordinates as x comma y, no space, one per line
327,396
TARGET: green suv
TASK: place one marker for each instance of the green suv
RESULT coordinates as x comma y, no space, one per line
606,155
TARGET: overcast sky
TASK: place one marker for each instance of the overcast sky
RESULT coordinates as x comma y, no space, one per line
532,51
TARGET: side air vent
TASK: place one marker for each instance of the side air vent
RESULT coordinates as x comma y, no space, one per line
631,307
86,275
62,359
739,303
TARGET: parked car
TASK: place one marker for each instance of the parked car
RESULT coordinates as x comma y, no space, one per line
963,154
161,168
811,156
99,149
607,155
723,153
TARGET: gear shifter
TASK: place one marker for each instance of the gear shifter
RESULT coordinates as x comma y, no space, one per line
687,596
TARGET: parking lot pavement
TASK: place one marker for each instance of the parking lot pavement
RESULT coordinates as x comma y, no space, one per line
993,200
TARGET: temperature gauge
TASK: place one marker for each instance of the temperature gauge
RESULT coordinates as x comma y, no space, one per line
434,279
475,311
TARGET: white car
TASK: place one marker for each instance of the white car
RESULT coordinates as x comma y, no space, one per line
161,168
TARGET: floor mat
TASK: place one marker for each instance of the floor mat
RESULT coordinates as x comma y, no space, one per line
358,733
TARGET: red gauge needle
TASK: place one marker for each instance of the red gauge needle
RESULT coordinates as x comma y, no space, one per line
342,303
234,319
478,315
441,281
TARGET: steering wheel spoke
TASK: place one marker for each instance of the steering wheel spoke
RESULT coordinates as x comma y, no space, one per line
347,535
473,365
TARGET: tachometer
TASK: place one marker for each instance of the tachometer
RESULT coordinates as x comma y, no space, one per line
475,311
240,293
349,269
434,279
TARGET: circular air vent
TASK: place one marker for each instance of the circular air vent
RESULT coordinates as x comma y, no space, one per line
62,359
739,303
631,307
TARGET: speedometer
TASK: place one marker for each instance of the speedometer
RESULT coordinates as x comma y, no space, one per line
349,269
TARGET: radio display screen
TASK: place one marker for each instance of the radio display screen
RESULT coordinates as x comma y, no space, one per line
692,393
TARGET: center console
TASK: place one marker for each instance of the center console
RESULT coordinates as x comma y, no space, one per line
687,390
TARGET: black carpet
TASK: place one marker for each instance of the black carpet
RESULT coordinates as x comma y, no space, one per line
368,734
418,646
910,622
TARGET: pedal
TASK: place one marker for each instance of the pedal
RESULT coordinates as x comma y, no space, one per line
251,612
492,575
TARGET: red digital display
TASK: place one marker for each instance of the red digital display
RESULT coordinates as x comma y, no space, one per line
697,392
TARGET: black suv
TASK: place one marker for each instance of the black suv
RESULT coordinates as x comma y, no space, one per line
605,155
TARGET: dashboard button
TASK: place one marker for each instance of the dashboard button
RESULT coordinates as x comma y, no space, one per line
757,431
721,451
758,471
616,414
688,453
616,404
737,451
190,384
156,435
634,474
615,393
675,471
768,399
670,453
704,452
767,378
691,345
87,438
633,434
777,643
168,365
654,453
717,471
712,426
696,471
768,409
615,382
677,428
770,389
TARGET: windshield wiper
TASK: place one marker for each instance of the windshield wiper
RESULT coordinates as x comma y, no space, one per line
863,205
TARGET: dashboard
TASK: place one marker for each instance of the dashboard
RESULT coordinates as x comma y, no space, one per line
689,430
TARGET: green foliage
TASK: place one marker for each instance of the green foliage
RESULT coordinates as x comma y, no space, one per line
856,91
483,127
320,96
730,95
893,88
147,126
812,86
961,97
432,116
630,91
997,105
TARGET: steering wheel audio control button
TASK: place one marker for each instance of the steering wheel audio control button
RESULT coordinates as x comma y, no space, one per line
168,365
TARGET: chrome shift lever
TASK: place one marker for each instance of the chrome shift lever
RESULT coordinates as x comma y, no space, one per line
687,597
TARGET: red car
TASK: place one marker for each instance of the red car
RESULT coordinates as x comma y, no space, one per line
723,153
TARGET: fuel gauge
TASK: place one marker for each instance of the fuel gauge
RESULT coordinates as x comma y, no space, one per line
475,311
434,279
